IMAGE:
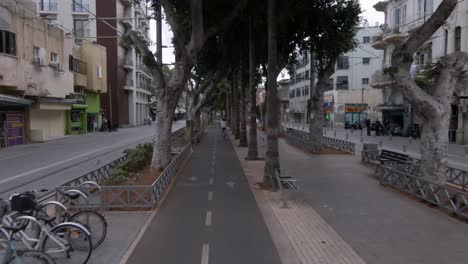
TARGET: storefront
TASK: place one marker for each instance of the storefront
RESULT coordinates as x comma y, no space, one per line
77,120
93,112
12,120
355,113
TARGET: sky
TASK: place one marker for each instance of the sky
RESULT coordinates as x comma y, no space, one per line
369,13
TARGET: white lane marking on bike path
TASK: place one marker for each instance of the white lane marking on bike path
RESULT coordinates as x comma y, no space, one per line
210,196
205,253
208,219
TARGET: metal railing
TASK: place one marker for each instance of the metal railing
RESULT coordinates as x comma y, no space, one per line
45,6
440,195
302,140
413,166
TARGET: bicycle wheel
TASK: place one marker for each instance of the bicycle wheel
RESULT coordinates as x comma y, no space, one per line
95,223
68,243
32,257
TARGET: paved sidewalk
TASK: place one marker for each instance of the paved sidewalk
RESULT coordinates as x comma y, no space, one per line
210,215
380,224
456,155
123,228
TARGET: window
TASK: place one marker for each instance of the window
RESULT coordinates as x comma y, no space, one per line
54,57
365,60
366,39
342,63
77,66
36,52
445,42
7,42
80,6
48,5
79,28
298,92
425,8
397,17
429,53
307,75
306,90
365,81
99,72
342,82
458,32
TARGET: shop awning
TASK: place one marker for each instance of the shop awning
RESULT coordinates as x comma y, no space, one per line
79,106
15,101
391,107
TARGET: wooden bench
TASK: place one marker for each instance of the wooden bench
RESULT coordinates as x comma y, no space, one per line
288,183
388,157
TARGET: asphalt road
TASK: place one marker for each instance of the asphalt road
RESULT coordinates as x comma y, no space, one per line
210,216
46,165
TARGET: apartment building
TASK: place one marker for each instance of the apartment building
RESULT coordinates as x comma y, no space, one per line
87,61
34,78
129,81
350,97
401,19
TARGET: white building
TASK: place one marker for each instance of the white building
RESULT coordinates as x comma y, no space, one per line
353,73
403,18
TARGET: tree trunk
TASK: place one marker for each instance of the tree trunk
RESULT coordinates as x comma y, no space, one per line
317,118
189,119
252,154
197,121
235,90
227,114
434,146
242,112
163,136
233,107
272,110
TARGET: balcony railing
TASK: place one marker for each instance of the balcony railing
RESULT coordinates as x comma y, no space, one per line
48,7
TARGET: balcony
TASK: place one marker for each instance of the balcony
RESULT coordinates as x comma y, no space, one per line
9,74
80,98
48,10
126,3
127,20
389,35
129,85
80,80
128,63
144,70
380,80
381,6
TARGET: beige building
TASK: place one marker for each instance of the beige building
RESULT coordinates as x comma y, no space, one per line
34,75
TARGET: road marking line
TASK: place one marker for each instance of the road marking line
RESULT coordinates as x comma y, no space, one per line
210,196
208,218
211,180
205,253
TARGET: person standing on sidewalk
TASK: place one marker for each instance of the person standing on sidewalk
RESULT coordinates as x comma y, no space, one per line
368,127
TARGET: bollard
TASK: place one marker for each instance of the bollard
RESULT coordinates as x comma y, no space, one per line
334,133
404,148
380,143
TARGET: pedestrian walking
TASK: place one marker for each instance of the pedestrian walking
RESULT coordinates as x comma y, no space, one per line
378,127
368,127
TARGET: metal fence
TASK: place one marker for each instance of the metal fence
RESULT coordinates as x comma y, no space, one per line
135,196
302,140
413,166
440,195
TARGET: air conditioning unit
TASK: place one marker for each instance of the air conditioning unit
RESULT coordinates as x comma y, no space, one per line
39,61
54,64
60,67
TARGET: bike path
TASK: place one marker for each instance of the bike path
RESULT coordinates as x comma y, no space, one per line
210,216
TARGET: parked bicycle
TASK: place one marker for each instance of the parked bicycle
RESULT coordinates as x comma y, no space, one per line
66,242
